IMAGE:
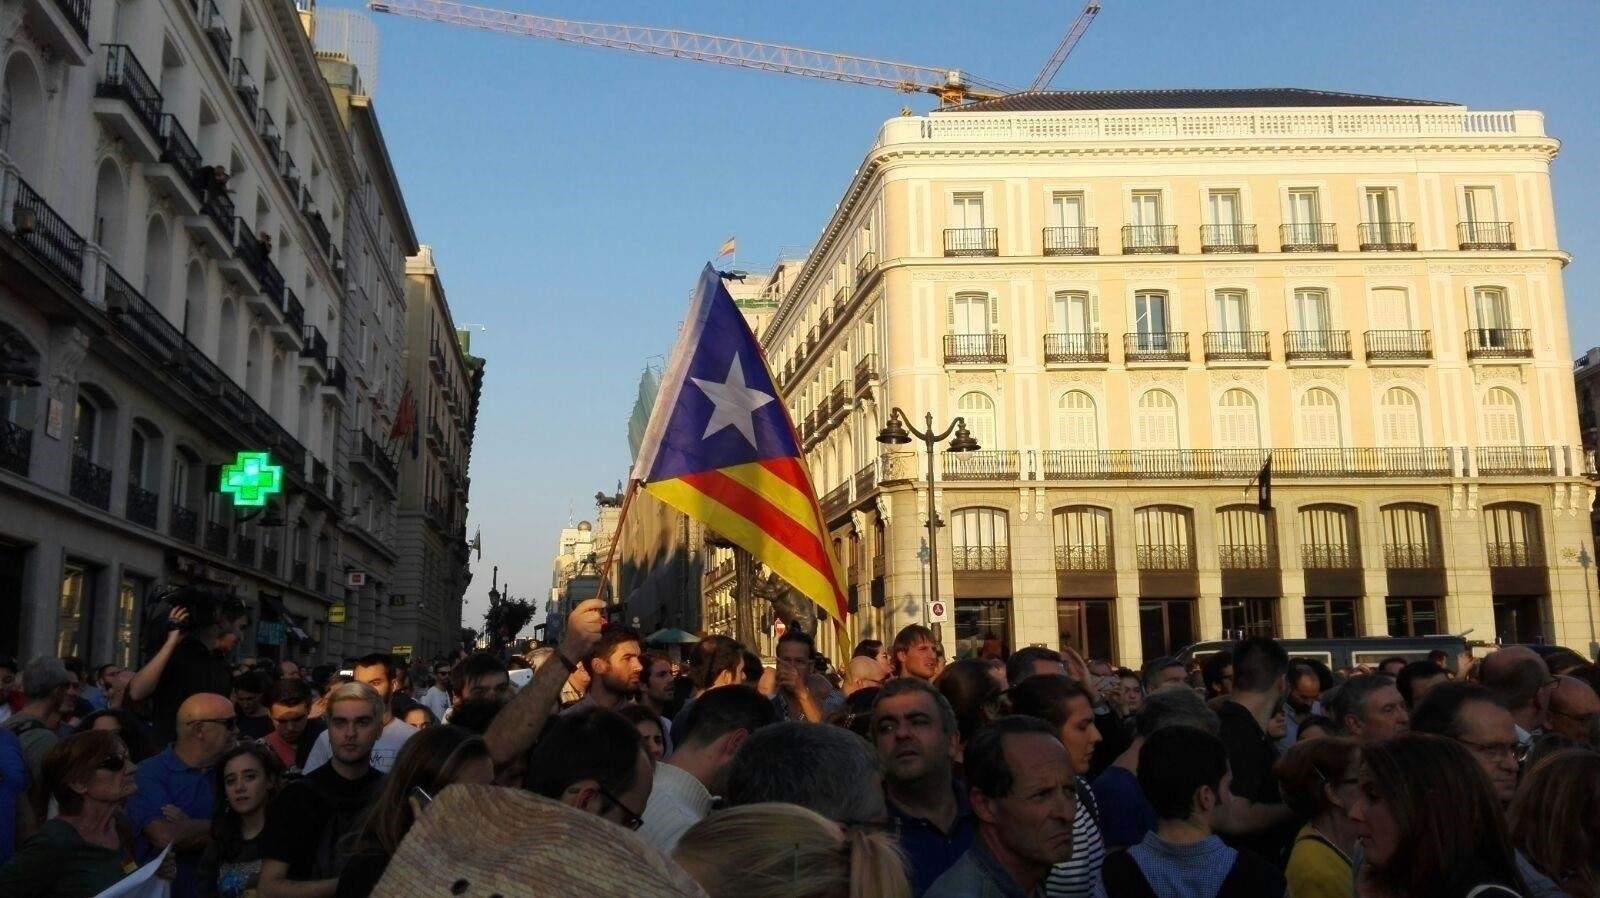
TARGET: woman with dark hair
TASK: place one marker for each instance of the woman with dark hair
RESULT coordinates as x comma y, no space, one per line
1418,844
973,693
126,725
1318,781
430,761
245,781
88,847
1555,820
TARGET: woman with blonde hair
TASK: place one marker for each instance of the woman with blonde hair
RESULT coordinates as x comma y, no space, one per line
1555,820
786,851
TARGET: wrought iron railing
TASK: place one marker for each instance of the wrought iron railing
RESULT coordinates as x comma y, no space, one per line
1386,236
244,549
1308,237
1499,343
1138,239
214,199
244,87
1234,238
336,375
980,558
1244,557
216,538
143,505
1079,347
1329,556
866,370
971,242
91,483
47,235
126,80
140,322
293,311
269,559
319,231
16,447
1241,464
1164,558
1071,241
866,265
984,464
1083,558
216,28
866,479
1224,346
975,348
1399,344
183,523
1515,460
77,12
1516,554
1412,556
270,136
178,151
1163,346
836,499
1316,344
315,347
1485,235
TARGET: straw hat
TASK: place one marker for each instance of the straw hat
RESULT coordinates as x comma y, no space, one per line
487,841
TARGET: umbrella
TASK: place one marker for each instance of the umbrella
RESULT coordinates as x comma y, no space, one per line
670,636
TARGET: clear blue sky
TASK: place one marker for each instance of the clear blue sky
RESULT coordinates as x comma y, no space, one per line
571,195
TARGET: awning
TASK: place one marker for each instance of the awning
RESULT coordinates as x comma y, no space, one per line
670,636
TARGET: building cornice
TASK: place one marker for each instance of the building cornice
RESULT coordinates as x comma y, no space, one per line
314,87
364,112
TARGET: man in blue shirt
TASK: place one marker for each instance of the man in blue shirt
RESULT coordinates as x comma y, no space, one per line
13,784
175,798
914,730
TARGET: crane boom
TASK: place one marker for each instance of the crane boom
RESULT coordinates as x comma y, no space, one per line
1063,49
950,85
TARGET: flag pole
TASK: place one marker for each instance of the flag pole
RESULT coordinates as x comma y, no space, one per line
611,553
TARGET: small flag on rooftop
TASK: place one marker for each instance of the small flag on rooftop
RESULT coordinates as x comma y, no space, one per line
730,247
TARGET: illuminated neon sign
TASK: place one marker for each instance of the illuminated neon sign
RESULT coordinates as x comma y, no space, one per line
252,479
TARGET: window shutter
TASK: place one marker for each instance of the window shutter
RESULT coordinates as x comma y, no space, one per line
994,311
951,308
1094,312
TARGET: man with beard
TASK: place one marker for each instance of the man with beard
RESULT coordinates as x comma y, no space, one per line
914,730
614,669
684,784
1023,795
377,671
655,693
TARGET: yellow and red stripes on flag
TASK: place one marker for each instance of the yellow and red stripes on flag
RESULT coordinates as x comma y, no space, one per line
768,509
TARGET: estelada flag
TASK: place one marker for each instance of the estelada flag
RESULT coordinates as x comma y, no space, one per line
721,449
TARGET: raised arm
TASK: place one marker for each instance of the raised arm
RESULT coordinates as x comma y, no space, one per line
519,723
149,676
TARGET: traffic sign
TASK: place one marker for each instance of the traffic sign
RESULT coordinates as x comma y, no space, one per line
939,611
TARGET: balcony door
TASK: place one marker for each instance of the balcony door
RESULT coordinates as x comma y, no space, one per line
1480,205
1066,211
1304,209
1391,311
1238,421
1381,206
1319,420
1155,422
1147,209
970,315
1224,209
978,411
1077,424
1312,312
1232,318
1150,320
1502,418
1494,315
1400,419
966,210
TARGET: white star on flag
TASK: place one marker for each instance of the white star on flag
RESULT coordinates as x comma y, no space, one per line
735,404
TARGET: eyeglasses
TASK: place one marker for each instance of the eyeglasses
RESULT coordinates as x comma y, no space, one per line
629,819
229,722
1516,750
113,764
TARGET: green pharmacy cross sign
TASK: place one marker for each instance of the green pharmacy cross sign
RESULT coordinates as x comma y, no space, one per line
252,479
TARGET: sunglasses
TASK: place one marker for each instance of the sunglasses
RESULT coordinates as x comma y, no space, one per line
630,819
113,764
230,723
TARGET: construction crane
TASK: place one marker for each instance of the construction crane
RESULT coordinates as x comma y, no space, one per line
952,86
1064,49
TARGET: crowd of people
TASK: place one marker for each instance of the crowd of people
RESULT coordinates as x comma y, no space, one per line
617,770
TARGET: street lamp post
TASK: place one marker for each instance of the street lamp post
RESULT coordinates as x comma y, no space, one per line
899,431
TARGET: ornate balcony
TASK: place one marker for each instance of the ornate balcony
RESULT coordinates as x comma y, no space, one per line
1236,346
16,447
1149,239
980,558
62,26
1388,345
984,464
971,242
1234,238
142,506
866,371
867,264
1168,346
314,349
140,322
1310,345
975,349
1499,343
1329,557
216,29
244,87
1071,241
90,483
47,235
1516,554
1413,556
1246,557
1242,464
1308,237
1386,236
1164,557
271,138
1485,235
183,523
1087,348
1083,558
128,102
178,175
1513,461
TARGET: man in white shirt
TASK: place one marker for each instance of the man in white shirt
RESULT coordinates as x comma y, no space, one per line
684,784
437,698
378,671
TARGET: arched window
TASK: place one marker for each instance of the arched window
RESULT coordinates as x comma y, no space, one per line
973,313
1312,311
1072,312
1328,537
193,320
1502,418
18,401
978,410
1491,308
1411,536
980,539
1155,423
144,451
1077,424
1082,538
255,372
1245,539
22,105
1513,535
86,429
110,211
1399,419
158,265
1319,420
1238,421
1163,538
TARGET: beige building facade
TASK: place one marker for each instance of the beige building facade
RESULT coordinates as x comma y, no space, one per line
1134,299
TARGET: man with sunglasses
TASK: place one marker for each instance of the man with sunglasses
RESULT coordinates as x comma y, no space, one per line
173,804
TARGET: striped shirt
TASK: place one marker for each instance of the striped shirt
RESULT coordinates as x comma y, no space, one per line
1080,876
